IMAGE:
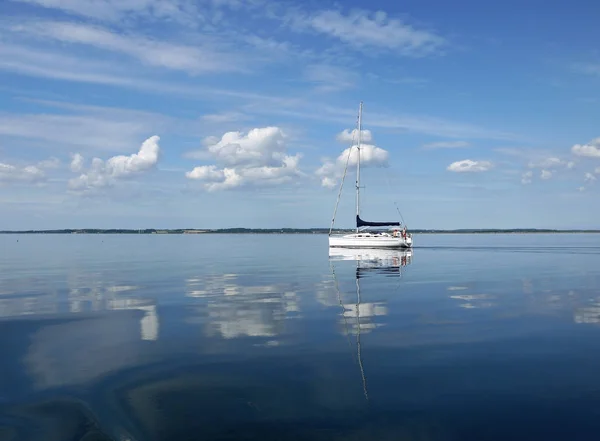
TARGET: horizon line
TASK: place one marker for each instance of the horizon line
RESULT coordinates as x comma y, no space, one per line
275,229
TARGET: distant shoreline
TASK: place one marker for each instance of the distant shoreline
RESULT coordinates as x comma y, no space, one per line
286,231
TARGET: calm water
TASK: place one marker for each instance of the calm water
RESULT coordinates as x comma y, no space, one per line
256,337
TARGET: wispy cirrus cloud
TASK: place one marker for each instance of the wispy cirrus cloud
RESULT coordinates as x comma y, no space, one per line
365,30
224,117
194,59
549,162
83,127
329,78
587,68
179,11
53,65
446,145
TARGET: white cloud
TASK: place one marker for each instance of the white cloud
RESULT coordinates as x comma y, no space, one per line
591,150
597,171
104,174
328,182
468,165
352,136
10,173
216,179
589,178
260,146
13,174
570,164
193,59
581,188
329,173
546,174
370,156
208,173
257,158
364,30
77,163
526,178
446,145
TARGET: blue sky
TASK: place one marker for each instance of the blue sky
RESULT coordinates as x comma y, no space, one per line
224,113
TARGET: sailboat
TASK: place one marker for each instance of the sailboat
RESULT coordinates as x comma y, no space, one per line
376,261
362,237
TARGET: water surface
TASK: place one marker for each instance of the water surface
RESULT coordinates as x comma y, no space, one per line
274,337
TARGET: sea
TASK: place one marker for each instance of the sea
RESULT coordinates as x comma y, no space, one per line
278,337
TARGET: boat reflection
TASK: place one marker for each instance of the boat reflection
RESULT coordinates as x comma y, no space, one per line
377,261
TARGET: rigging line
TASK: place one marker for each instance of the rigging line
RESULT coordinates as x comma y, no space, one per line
341,186
395,203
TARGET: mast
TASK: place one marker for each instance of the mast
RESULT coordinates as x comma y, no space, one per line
358,163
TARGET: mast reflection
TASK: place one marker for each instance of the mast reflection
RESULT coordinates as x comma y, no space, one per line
376,261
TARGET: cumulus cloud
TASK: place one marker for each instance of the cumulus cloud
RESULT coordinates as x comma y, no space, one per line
597,171
526,178
590,150
13,174
77,163
467,165
106,173
546,174
370,156
257,158
10,173
589,178
352,136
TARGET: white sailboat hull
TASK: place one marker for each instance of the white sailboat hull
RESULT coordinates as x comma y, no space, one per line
368,240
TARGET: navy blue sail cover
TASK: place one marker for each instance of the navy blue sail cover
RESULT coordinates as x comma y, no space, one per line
362,223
